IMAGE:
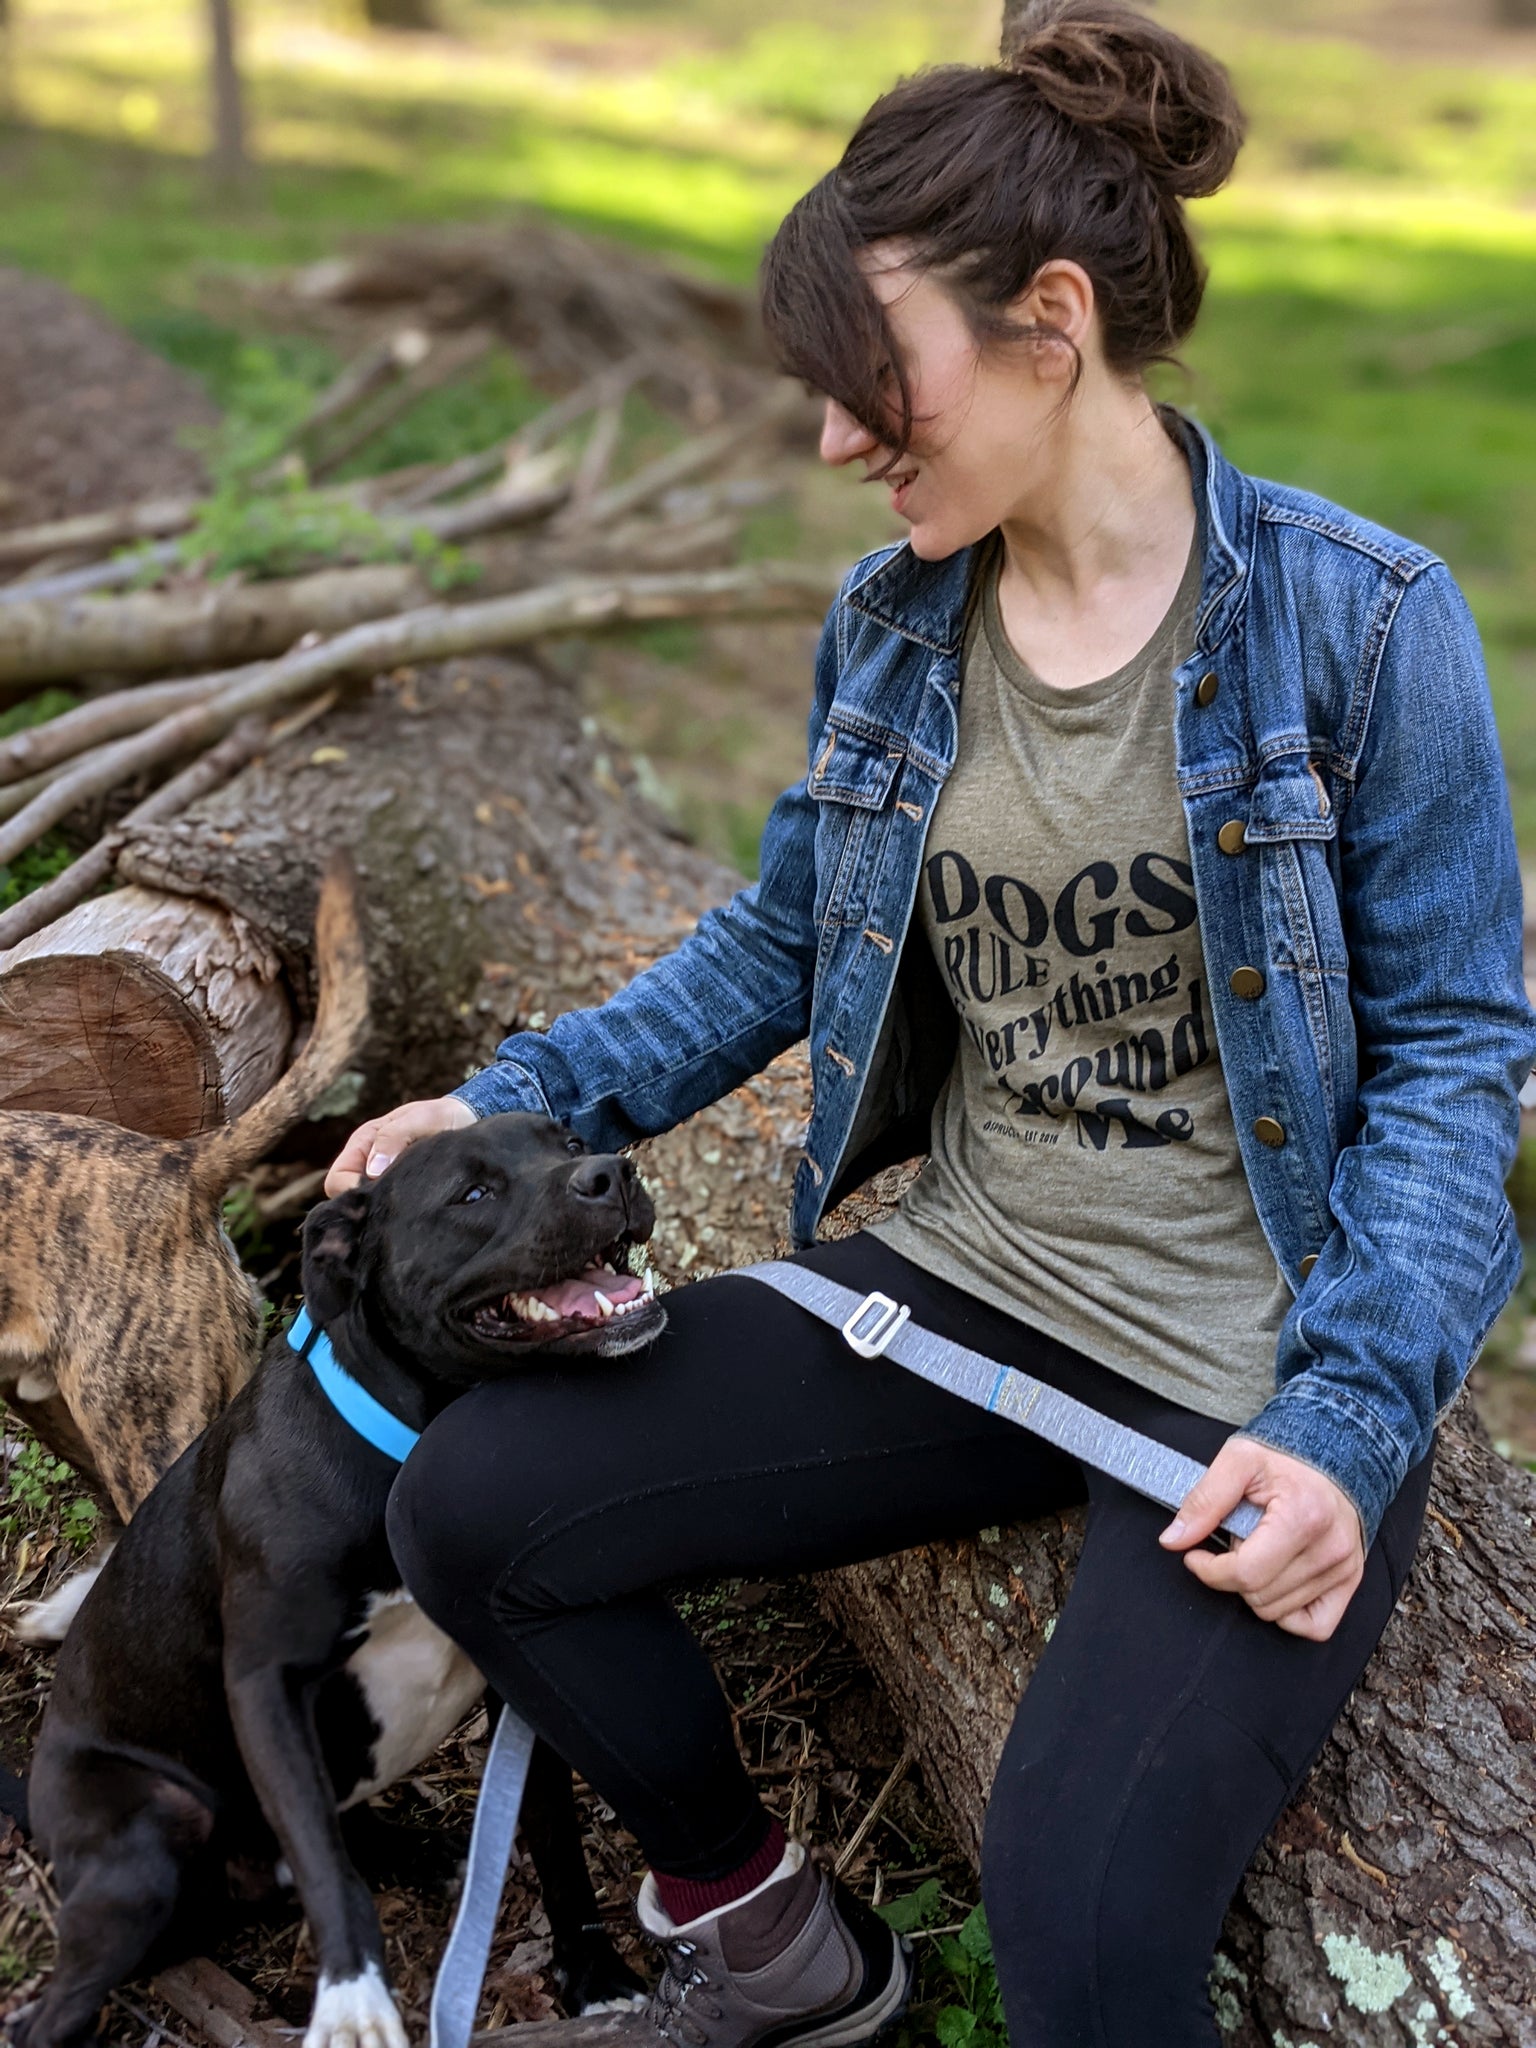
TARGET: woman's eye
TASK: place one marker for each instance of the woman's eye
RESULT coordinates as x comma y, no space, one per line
476,1194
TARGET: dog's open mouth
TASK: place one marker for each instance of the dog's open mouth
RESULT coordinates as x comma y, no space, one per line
603,1293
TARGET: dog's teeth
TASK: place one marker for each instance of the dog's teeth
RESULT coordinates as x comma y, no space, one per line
648,1282
605,1307
542,1312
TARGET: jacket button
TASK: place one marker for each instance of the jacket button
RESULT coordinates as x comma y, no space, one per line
1206,688
1232,835
1307,1264
1268,1132
1246,982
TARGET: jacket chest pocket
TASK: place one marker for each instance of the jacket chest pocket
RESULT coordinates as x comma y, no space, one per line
1293,827
853,780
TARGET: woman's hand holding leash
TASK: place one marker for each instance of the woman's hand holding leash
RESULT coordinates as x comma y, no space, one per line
1300,1567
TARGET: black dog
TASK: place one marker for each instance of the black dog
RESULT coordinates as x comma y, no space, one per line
248,1663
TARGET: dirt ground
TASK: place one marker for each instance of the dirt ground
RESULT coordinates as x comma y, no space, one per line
88,418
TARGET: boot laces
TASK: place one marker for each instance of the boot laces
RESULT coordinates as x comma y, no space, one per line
677,2012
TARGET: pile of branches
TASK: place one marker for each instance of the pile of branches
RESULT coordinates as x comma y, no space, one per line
491,550
568,304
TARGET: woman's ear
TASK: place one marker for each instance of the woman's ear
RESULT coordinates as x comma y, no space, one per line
331,1266
1060,299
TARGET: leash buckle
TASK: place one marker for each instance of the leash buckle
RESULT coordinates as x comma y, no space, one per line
888,1318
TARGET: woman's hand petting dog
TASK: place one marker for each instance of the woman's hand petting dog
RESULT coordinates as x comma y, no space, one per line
374,1145
1300,1567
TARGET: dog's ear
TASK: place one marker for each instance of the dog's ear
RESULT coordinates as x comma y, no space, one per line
331,1267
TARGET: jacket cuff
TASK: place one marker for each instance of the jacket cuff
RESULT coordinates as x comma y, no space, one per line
503,1085
1324,1426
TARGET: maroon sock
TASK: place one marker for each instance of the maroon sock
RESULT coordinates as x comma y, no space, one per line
685,1898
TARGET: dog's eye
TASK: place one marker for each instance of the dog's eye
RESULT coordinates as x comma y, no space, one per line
478,1193
575,1147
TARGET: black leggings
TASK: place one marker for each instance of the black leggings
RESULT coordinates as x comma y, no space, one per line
1162,1733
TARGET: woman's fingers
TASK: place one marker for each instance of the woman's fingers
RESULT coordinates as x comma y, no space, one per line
351,1161
375,1145
1302,1563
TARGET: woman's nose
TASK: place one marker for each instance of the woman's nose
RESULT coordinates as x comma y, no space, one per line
842,438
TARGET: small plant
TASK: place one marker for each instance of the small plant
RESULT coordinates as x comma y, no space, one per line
34,1484
245,1226
958,2000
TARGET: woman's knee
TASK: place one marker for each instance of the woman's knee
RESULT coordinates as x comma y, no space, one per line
463,1509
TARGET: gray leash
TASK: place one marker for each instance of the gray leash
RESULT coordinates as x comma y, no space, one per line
877,1327
456,1994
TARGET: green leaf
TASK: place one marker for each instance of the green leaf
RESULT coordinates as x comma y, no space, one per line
975,1936
955,2027
918,1909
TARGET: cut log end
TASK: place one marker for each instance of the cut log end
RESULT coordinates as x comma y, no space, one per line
150,1011
109,1038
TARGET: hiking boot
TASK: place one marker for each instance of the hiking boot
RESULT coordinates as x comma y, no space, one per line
798,1960
797,1963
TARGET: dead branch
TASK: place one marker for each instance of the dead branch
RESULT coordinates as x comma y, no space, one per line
436,367
204,775
96,532
104,718
434,633
700,453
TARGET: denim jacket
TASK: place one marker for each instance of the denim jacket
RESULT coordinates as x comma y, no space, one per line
1350,837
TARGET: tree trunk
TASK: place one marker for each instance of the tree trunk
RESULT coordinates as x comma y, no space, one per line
226,97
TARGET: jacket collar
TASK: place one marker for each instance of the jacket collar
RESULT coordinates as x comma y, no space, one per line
925,601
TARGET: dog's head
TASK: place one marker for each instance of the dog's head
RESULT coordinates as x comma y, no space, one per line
481,1245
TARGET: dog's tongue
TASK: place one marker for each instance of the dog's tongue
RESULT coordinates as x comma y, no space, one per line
578,1297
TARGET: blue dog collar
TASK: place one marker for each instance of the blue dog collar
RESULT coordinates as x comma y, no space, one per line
353,1403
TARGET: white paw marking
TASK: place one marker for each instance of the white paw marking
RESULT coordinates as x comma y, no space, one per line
636,2001
357,2012
36,1385
49,1621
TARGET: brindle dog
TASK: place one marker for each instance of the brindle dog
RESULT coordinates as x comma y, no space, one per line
126,1323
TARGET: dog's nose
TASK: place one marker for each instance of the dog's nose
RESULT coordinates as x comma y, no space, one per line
599,1180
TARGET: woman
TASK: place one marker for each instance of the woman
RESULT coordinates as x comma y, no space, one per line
1154,871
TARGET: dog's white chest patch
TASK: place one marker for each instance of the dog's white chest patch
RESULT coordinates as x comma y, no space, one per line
416,1685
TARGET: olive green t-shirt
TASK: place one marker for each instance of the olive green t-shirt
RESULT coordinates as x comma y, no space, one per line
1084,1172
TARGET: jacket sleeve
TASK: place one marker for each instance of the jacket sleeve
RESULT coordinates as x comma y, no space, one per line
1382,1334
694,1025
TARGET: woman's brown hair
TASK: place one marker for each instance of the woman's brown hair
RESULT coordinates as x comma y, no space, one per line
1083,144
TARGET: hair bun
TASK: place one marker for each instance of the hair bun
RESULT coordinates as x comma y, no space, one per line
1104,64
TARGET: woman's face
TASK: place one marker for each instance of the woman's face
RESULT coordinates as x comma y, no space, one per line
984,420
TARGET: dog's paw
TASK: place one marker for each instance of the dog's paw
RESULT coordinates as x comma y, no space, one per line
637,2001
49,1621
355,2012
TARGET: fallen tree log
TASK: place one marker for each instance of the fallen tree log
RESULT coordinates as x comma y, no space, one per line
510,871
578,605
